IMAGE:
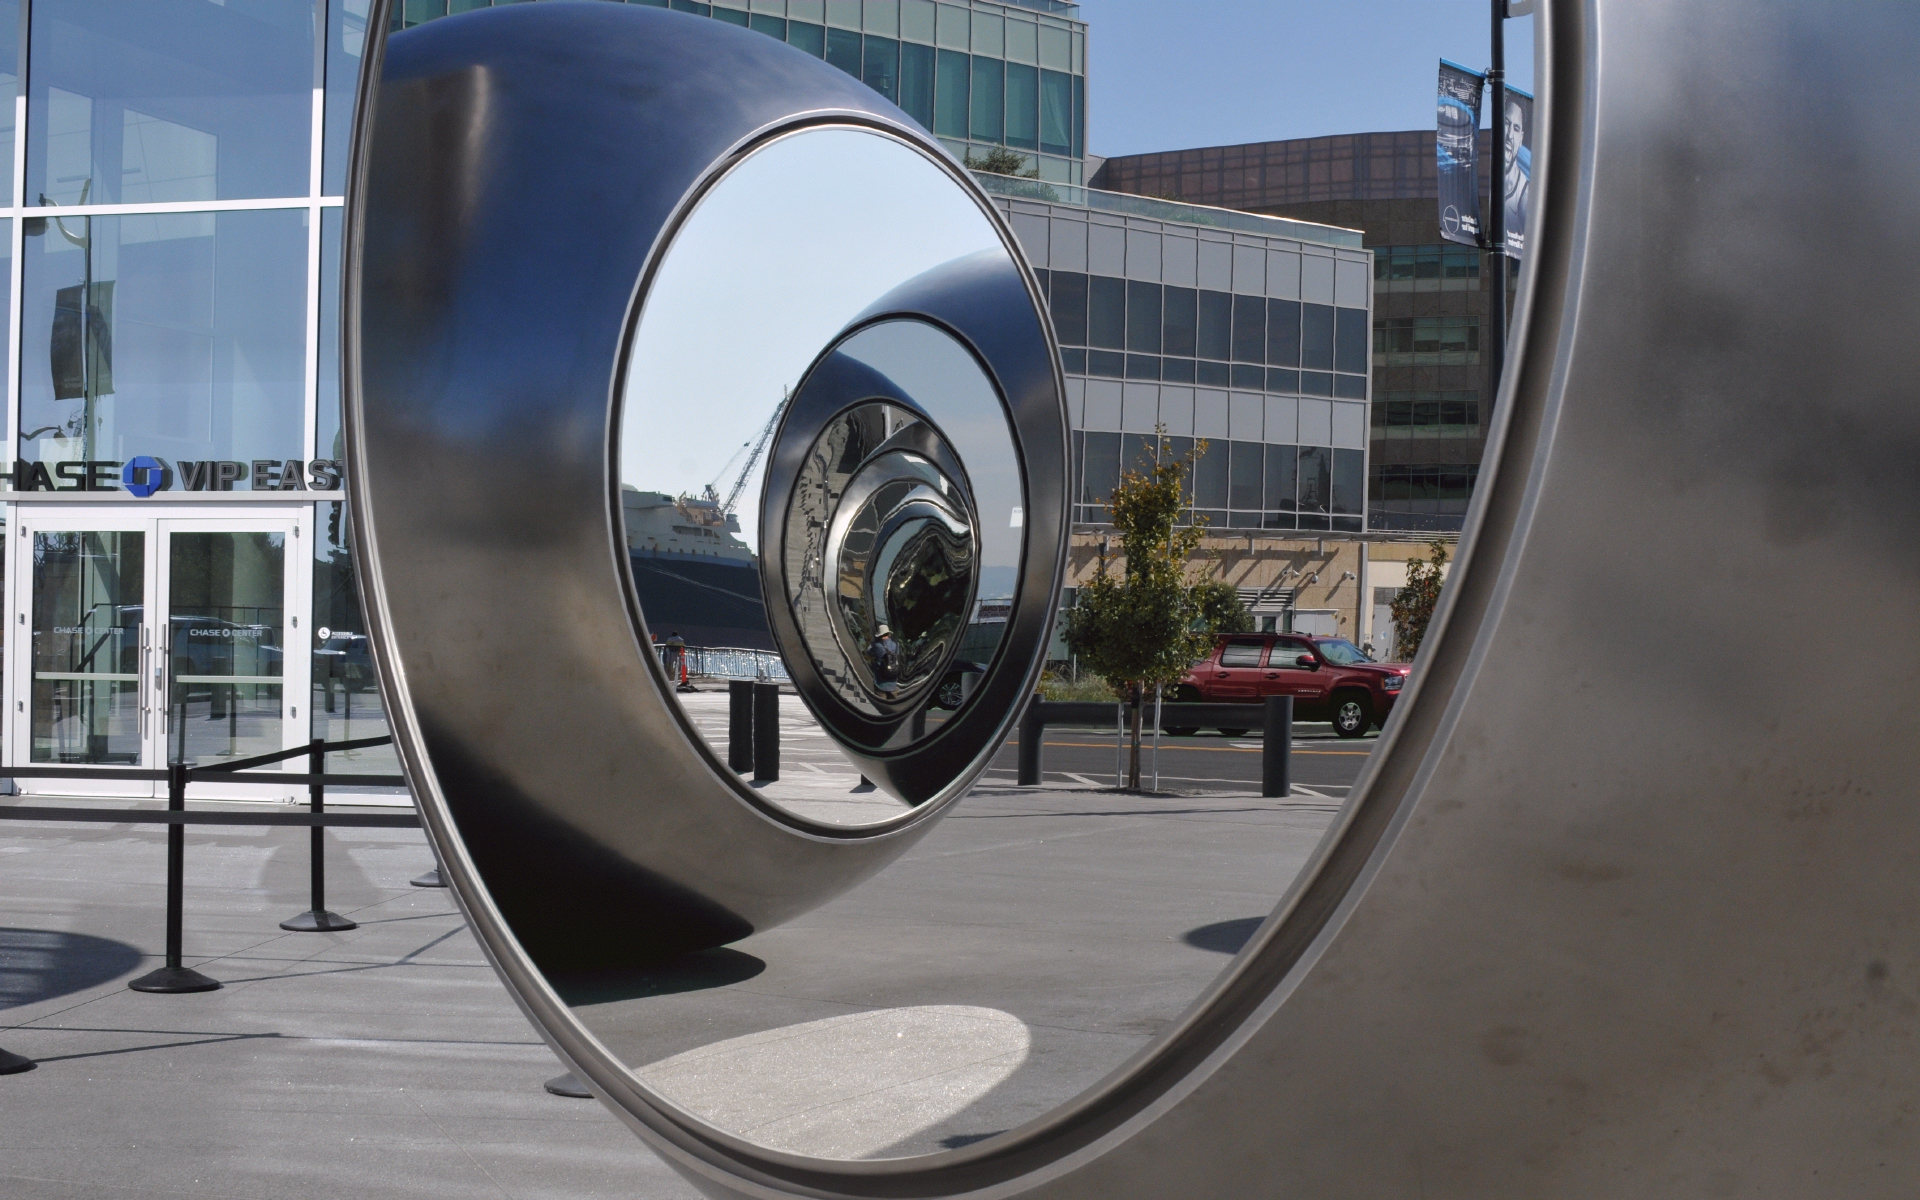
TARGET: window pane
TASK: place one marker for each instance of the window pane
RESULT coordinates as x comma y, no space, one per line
1249,378
843,50
1107,312
882,67
1350,387
1210,477
135,101
1349,481
1056,111
328,442
811,38
1181,315
773,27
1110,364
1070,307
346,39
1214,374
1176,370
1246,475
916,82
1023,106
1137,453
988,96
730,16
1249,329
989,34
1143,317
1350,340
1283,333
1313,479
1216,325
1079,116
1316,337
1280,475
346,696
85,650
1143,366
950,95
194,337
1102,469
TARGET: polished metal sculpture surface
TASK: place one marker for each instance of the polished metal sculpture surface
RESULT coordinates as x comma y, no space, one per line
1625,902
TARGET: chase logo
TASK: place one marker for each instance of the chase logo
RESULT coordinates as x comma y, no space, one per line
143,476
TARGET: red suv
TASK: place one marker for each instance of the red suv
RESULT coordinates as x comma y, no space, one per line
1328,678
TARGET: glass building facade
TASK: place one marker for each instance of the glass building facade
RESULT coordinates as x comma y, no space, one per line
178,568
1247,338
1430,407
980,75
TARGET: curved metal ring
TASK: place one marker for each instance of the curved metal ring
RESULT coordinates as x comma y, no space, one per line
1525,962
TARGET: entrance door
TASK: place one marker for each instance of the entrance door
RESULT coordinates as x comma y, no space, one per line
157,636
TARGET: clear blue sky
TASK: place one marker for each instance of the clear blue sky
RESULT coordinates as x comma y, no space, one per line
1169,76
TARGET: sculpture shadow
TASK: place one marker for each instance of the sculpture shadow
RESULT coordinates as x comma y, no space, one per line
1223,937
696,972
39,964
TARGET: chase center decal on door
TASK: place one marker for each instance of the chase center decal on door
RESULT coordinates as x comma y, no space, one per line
143,475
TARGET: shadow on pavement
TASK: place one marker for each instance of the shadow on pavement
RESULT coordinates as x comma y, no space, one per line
694,972
1223,937
39,964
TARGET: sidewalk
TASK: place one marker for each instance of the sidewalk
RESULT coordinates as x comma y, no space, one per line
1020,952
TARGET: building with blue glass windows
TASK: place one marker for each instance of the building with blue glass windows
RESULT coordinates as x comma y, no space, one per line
174,172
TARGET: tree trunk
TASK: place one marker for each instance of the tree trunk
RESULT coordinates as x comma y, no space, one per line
1133,758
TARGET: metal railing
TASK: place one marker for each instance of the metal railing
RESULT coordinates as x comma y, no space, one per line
173,977
1273,716
732,662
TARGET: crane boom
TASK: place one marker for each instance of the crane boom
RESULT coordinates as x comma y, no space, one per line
759,446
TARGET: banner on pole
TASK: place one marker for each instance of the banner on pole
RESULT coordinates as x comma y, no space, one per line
1457,123
1516,127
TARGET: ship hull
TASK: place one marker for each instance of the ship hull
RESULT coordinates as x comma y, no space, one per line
708,601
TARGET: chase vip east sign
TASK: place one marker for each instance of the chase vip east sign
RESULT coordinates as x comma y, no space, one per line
143,475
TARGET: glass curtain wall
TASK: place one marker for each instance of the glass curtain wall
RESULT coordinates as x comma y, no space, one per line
174,233
979,75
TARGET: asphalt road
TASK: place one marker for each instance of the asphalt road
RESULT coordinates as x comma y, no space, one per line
1322,761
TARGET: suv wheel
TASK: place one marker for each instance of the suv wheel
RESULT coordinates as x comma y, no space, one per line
1182,695
1352,716
948,696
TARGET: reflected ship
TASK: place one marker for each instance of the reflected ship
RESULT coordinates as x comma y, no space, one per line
694,574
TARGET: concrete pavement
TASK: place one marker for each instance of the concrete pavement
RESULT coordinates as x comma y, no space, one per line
1027,947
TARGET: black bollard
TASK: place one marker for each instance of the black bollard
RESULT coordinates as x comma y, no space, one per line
430,879
173,977
766,732
1276,748
568,1085
13,1064
317,919
1033,731
740,724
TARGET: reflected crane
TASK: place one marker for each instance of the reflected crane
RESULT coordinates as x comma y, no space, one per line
708,508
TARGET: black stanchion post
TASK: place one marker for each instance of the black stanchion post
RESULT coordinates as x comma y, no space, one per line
173,977
766,732
740,724
1276,748
317,919
1033,731
13,1064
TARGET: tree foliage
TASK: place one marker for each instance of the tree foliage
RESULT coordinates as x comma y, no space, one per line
1221,609
1414,604
1146,627
1002,161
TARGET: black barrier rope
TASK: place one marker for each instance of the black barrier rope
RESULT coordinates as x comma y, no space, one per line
173,976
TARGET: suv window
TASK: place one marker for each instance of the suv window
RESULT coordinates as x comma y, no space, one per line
1287,653
1242,652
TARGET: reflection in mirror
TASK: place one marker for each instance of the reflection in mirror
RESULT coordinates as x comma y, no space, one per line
899,543
789,437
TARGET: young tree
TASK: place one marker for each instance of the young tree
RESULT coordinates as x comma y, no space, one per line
1145,628
1413,605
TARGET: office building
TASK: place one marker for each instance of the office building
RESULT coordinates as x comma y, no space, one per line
1430,406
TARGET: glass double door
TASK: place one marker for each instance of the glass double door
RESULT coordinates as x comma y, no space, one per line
153,638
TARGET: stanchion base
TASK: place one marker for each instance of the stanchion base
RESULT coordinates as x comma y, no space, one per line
318,922
566,1085
174,979
430,879
13,1064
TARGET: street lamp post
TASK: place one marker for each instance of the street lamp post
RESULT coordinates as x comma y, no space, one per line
1496,340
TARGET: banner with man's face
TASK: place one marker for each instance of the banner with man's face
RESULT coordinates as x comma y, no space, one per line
1516,130
1457,122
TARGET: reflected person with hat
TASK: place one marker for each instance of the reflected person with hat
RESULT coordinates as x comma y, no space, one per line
883,653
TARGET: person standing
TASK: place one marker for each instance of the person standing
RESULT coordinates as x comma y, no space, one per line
883,654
